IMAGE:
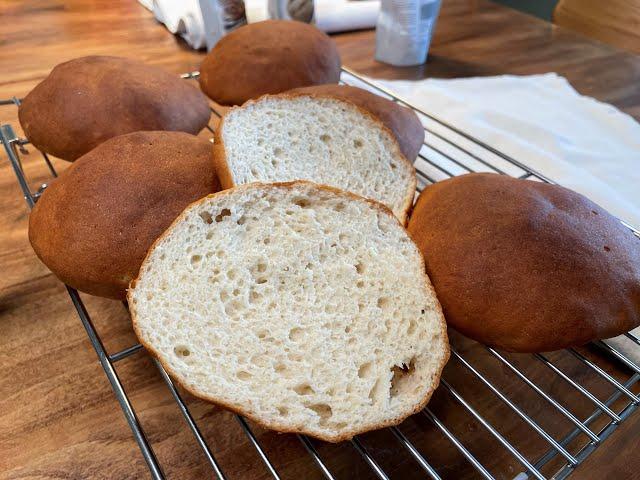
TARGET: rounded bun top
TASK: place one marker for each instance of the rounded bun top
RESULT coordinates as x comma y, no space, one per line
268,57
402,121
526,266
85,101
93,225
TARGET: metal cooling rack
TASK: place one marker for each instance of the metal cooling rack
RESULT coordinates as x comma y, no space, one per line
447,152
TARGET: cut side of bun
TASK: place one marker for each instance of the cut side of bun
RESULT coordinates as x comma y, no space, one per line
317,138
304,308
402,121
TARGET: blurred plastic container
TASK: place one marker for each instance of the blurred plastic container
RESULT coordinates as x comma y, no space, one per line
404,30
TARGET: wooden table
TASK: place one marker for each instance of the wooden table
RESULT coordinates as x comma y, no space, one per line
58,416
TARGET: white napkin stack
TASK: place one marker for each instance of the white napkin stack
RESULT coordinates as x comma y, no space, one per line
540,120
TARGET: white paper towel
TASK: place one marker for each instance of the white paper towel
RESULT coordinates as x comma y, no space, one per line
540,120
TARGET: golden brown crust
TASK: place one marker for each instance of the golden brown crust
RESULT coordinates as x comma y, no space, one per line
88,100
219,161
93,225
268,57
226,176
238,409
525,266
402,121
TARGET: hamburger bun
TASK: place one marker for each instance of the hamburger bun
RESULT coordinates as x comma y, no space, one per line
526,266
309,310
268,57
85,101
93,225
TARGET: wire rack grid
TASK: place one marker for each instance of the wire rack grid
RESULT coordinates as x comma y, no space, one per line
447,152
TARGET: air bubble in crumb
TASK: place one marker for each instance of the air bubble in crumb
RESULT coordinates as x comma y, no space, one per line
206,217
301,202
412,327
322,410
296,334
224,213
377,393
365,370
304,389
383,302
182,351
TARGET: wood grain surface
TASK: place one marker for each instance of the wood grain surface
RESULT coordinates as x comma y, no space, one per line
58,416
615,22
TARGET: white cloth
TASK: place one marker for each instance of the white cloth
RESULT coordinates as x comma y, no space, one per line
540,120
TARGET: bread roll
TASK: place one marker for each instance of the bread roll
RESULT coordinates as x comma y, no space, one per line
94,224
268,57
322,139
305,308
86,101
402,121
526,266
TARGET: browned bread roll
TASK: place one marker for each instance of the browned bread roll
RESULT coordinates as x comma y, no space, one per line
93,226
268,57
88,100
402,121
526,266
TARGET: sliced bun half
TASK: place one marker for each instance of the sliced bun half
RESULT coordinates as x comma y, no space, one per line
302,307
318,138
